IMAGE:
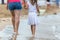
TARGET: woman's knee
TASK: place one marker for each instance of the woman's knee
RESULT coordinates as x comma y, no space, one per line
17,18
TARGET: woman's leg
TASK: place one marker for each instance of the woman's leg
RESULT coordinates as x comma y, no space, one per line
13,22
13,19
16,23
17,17
33,27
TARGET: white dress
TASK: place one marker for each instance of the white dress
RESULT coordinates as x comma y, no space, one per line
48,3
32,14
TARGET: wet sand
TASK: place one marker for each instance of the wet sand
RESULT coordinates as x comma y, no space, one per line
44,30
6,13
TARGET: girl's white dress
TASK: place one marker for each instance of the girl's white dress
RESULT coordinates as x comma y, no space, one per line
48,3
32,14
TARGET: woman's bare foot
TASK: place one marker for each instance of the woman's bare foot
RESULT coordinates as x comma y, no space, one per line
14,36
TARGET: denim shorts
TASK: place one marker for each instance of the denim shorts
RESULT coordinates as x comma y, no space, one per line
15,6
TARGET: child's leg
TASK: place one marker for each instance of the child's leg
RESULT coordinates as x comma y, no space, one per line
33,27
48,6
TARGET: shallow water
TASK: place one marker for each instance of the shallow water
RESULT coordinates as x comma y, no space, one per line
47,29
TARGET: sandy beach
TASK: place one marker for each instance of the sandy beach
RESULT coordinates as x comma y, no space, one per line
45,30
